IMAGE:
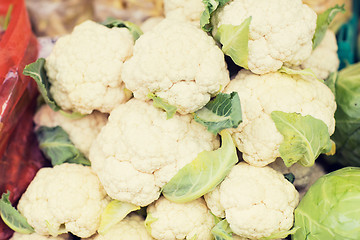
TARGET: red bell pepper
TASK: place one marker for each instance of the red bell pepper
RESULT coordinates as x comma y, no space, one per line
20,157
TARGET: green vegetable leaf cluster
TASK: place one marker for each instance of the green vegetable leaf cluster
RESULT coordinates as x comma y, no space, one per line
330,208
222,231
305,138
302,72
235,41
12,217
114,212
210,7
133,28
223,112
203,174
57,146
37,71
162,104
323,21
346,86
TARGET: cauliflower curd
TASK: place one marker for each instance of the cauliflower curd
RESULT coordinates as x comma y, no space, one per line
179,63
257,202
281,31
65,198
257,137
172,221
84,68
35,236
139,150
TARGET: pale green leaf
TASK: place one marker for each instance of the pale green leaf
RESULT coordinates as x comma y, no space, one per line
12,217
37,71
148,221
235,41
222,231
302,72
323,21
210,7
134,29
223,112
203,174
305,138
114,212
162,104
57,146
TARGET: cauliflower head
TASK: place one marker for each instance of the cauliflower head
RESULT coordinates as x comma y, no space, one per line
172,221
150,23
324,59
281,31
35,236
130,228
139,151
257,137
186,10
82,132
65,198
177,62
85,67
257,201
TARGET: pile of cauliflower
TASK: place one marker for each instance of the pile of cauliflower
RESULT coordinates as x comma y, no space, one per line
135,149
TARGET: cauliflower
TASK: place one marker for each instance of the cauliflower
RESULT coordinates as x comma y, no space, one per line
302,174
35,236
326,50
84,68
257,137
150,23
65,198
130,228
186,10
172,221
257,201
281,31
82,132
139,151
177,62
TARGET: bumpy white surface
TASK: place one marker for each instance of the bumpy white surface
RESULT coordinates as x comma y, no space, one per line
179,63
257,137
68,197
181,220
139,150
324,59
85,67
150,23
258,201
281,31
35,236
130,228
187,10
82,132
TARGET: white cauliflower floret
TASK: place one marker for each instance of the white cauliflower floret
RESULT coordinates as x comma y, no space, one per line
150,23
85,68
324,59
65,198
177,62
139,150
256,136
191,220
130,228
258,201
281,31
186,10
82,132
302,174
35,236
